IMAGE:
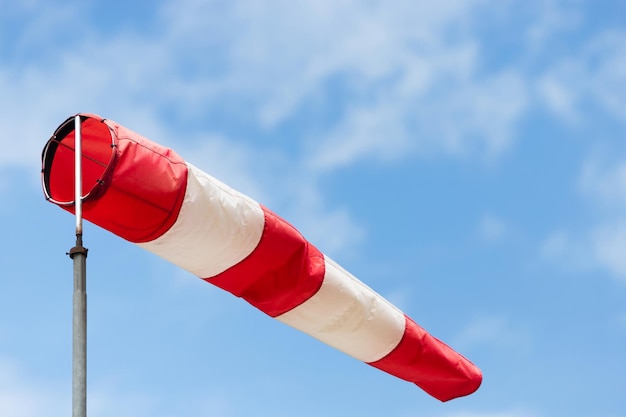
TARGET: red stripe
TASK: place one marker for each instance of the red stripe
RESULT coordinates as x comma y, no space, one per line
430,364
144,191
281,273
149,182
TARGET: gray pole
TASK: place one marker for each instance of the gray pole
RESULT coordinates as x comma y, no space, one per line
79,330
79,303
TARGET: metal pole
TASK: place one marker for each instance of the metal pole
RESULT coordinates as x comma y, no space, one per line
79,303
78,175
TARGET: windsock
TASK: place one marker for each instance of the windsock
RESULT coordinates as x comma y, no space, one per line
148,195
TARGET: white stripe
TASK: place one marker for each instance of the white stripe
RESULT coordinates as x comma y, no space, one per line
349,316
217,227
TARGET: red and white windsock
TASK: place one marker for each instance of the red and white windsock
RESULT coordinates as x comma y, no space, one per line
148,195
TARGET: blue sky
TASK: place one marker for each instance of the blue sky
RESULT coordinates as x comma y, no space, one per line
466,159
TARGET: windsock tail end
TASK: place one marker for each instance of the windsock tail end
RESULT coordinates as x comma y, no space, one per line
431,365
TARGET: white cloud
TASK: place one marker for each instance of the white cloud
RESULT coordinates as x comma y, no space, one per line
493,107
609,247
604,183
400,69
24,132
607,62
551,18
260,65
455,112
602,244
410,74
597,74
570,252
560,98
601,247
376,131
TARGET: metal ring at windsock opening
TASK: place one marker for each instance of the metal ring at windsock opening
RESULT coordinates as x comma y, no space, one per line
112,157
58,155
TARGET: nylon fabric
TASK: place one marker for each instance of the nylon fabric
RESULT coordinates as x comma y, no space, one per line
283,271
140,188
217,227
431,365
349,316
147,194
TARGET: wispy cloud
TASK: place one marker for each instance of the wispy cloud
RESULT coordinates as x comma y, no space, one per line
605,183
595,75
364,42
602,244
599,248
402,78
550,19
405,79
410,77
609,247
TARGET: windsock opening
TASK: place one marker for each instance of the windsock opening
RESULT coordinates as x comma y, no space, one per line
119,194
58,160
